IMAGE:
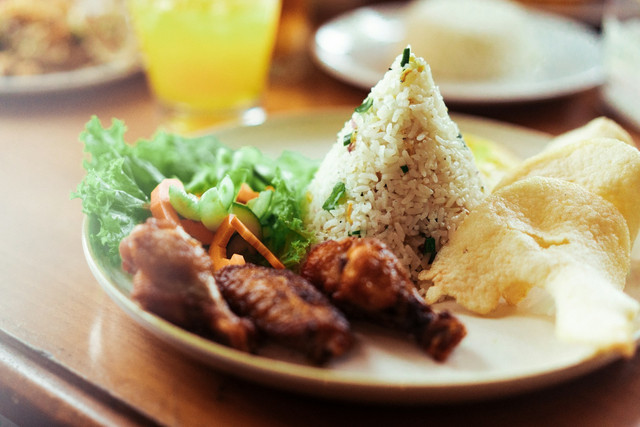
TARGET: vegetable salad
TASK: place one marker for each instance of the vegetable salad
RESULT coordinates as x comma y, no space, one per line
116,191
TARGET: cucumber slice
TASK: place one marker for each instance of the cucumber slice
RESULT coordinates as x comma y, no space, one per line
212,210
247,217
184,203
226,191
260,204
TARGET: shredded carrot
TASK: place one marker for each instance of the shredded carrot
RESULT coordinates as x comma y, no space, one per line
256,243
246,193
161,205
348,212
218,248
236,259
197,230
161,208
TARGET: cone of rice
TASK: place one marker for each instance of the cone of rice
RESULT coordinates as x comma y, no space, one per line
399,170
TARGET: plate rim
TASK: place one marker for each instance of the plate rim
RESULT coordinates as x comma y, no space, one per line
79,78
457,93
324,382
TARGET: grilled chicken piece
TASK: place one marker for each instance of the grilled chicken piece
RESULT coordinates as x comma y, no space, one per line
365,279
286,308
172,278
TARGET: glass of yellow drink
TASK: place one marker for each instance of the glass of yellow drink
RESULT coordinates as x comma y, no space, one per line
207,61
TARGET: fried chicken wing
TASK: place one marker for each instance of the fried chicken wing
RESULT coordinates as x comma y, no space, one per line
365,279
172,278
286,308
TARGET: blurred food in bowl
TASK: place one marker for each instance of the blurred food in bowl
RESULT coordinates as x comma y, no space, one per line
472,40
38,37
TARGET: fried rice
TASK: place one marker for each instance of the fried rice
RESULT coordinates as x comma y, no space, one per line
399,170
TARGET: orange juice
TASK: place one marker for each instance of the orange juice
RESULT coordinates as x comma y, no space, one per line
206,56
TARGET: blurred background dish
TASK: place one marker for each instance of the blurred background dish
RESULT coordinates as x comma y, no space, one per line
473,40
358,46
63,44
588,11
621,46
69,80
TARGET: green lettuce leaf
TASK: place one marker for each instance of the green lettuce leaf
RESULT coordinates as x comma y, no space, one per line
120,177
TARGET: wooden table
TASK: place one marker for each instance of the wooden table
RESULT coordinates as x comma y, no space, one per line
69,355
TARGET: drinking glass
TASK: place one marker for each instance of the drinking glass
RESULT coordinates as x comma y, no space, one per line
207,61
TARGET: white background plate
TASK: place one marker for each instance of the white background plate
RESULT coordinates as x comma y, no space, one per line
509,352
70,80
359,46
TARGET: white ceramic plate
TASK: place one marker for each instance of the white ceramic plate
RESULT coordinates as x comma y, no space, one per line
70,80
509,352
359,46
